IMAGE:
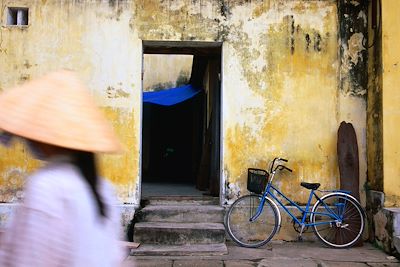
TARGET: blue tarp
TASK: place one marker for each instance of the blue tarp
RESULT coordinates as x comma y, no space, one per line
170,96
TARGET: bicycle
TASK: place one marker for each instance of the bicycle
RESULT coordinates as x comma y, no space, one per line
252,220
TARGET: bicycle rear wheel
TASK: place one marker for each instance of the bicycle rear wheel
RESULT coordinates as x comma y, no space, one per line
256,233
338,234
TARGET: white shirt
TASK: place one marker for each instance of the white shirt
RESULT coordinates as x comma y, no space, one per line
58,224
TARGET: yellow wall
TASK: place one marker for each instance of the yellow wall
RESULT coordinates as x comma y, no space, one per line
281,94
293,105
391,101
165,71
95,39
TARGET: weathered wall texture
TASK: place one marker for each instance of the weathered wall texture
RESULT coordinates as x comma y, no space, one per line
293,93
390,101
288,80
166,71
295,100
374,107
15,164
95,39
353,74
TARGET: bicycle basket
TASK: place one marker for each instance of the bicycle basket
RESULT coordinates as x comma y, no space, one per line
256,180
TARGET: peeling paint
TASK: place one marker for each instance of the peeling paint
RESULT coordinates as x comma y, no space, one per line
176,71
233,192
355,47
280,66
353,39
24,77
13,183
15,165
87,44
256,134
116,93
355,2
362,15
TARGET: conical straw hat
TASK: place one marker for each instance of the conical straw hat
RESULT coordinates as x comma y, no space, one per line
57,109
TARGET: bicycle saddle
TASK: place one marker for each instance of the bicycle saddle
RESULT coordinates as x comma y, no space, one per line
313,186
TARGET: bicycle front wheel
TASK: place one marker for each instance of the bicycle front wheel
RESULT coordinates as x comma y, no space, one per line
248,233
341,233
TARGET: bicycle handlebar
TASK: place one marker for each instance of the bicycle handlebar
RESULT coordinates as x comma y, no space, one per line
273,162
279,167
282,167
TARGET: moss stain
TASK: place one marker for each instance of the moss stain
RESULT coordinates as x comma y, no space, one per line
112,165
290,65
289,46
353,34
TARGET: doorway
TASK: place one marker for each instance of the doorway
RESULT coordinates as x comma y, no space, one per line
181,119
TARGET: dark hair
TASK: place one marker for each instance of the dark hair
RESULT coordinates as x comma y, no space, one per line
85,161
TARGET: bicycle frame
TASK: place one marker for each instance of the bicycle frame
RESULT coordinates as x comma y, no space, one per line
269,192
336,218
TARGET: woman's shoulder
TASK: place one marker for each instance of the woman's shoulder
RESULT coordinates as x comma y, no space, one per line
53,174
46,188
107,191
52,181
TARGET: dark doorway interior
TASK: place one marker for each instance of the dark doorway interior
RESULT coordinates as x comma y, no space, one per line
173,135
180,143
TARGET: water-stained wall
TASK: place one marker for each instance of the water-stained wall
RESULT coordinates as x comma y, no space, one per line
300,91
290,75
353,74
95,39
165,71
390,102
374,106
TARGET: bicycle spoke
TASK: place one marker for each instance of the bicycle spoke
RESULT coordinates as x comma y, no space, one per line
330,234
346,231
251,233
351,231
352,208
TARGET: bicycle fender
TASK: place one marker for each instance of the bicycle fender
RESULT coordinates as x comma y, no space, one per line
337,193
279,214
343,194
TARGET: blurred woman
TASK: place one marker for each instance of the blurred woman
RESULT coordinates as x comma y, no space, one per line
67,217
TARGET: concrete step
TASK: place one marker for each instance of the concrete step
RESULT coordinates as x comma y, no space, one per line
182,250
396,243
393,217
181,213
396,229
167,233
180,200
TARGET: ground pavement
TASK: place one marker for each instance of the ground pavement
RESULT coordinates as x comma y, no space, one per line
296,254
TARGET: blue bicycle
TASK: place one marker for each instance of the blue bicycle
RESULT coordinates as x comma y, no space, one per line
337,218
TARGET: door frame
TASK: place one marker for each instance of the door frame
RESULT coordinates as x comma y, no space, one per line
185,47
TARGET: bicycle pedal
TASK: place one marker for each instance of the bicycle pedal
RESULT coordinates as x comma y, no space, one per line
300,239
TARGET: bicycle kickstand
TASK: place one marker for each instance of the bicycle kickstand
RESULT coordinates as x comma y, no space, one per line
300,238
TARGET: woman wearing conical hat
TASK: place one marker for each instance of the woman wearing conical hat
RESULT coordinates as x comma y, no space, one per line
67,217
